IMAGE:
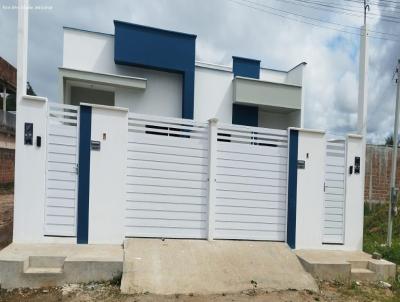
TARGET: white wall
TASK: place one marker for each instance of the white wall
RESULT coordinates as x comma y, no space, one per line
310,189
278,120
108,175
95,52
271,75
213,95
30,171
310,194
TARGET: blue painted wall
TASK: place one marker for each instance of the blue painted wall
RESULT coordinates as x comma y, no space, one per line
244,67
292,188
245,115
85,128
242,114
159,49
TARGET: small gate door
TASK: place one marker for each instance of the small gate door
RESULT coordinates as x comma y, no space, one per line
61,176
251,183
334,208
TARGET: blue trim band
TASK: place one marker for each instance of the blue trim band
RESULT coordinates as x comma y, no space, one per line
85,129
244,67
158,49
292,188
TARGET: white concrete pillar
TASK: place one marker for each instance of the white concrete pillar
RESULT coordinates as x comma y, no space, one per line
22,50
30,172
212,166
354,210
363,84
363,101
310,189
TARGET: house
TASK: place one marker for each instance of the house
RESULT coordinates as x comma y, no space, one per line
154,71
147,142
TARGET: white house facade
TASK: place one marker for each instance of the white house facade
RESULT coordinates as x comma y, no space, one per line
147,142
156,83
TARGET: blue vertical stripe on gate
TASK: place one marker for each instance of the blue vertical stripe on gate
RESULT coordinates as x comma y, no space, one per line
292,188
85,125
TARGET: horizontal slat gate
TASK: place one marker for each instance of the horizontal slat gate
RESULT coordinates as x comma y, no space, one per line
333,231
61,175
166,178
251,183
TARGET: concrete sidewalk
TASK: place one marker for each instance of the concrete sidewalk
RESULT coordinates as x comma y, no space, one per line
346,265
204,267
38,265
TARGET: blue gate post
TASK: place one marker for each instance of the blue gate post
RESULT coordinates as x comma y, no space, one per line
85,127
292,188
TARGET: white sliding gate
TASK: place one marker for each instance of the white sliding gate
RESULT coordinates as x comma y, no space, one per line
251,183
61,175
167,178
334,208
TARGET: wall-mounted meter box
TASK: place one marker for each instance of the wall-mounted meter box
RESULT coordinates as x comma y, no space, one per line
28,134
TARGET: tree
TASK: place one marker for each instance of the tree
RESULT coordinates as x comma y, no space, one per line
389,140
11,99
29,89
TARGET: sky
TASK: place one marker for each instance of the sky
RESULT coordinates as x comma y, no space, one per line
248,28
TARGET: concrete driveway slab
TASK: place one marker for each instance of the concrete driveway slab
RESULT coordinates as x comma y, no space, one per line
208,267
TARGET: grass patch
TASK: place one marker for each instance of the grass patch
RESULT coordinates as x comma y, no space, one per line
7,188
375,232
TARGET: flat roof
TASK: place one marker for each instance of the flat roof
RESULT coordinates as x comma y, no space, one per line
198,63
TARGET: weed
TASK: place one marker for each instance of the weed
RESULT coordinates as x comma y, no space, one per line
254,289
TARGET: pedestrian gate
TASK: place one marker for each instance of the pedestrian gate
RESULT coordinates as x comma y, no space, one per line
61,175
334,209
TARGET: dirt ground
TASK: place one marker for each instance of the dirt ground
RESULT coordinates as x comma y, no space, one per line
331,292
6,218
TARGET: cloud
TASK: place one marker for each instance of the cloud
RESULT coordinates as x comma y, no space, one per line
225,28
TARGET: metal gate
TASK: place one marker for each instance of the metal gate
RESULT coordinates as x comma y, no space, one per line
334,209
61,176
166,178
251,183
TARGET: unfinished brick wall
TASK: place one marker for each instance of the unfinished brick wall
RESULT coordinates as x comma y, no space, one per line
377,173
6,166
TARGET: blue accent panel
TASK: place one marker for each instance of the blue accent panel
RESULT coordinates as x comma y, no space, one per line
244,67
292,188
245,115
85,128
143,46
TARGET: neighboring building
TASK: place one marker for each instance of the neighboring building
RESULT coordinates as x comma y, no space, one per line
8,85
8,79
153,71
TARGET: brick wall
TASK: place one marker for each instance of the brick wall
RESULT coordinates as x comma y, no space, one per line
377,173
6,166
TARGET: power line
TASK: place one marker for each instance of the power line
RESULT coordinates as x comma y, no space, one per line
346,11
350,26
314,19
311,5
303,21
345,7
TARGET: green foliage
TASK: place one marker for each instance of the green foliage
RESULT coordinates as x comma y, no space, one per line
375,233
389,140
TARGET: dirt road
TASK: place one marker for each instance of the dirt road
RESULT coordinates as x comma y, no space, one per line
6,218
110,292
